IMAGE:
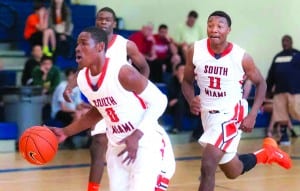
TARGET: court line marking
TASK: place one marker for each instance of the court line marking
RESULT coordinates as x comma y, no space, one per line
55,167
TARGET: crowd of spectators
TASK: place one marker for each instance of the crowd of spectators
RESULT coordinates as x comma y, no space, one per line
48,30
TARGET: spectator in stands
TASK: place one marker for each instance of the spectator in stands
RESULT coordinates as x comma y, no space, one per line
2,80
46,75
282,85
36,29
60,20
1,99
188,32
66,112
31,63
167,55
177,104
144,40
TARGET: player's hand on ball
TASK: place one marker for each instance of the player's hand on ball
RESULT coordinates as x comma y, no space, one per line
132,143
59,133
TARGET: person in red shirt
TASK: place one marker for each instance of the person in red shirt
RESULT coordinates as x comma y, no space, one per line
36,29
167,55
144,41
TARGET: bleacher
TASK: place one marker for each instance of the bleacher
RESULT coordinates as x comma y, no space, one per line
14,49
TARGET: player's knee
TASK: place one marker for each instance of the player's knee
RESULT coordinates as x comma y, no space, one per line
231,175
99,140
98,146
208,168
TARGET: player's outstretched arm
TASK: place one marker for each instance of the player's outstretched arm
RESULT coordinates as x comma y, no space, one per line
138,59
86,121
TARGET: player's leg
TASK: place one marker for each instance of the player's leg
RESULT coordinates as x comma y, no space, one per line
97,152
270,153
209,163
148,163
119,174
220,140
168,164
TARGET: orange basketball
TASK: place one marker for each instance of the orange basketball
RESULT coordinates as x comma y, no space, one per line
38,145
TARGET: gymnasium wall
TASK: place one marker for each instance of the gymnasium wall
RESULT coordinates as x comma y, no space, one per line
257,25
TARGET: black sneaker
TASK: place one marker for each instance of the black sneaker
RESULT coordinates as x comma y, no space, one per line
284,139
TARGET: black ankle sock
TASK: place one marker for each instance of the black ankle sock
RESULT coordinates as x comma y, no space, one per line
249,161
283,129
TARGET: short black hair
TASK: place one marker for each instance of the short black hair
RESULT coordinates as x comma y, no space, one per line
222,14
68,71
193,13
97,34
38,5
45,57
110,10
287,36
162,26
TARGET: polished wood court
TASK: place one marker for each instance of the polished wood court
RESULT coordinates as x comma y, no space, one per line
69,172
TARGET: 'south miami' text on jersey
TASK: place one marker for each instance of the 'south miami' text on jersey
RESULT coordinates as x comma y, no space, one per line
214,87
108,103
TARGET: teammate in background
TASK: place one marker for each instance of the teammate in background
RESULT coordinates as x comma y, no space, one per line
136,144
121,48
219,67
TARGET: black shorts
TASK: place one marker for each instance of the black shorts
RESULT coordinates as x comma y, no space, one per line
36,39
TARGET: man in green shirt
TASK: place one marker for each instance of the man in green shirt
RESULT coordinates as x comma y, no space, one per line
46,75
188,32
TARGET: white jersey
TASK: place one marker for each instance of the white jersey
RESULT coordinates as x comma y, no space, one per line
219,77
113,101
117,46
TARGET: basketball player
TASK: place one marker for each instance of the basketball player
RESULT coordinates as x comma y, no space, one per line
130,105
219,67
119,47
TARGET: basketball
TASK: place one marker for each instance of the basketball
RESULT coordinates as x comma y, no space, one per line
38,145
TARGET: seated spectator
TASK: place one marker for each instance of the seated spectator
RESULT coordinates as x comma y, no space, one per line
60,20
167,56
1,99
187,33
177,104
46,75
36,29
144,40
30,64
2,80
67,112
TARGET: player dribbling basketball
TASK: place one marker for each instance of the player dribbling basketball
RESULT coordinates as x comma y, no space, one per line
130,105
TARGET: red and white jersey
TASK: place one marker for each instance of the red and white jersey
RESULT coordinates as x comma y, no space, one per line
122,110
219,77
117,46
